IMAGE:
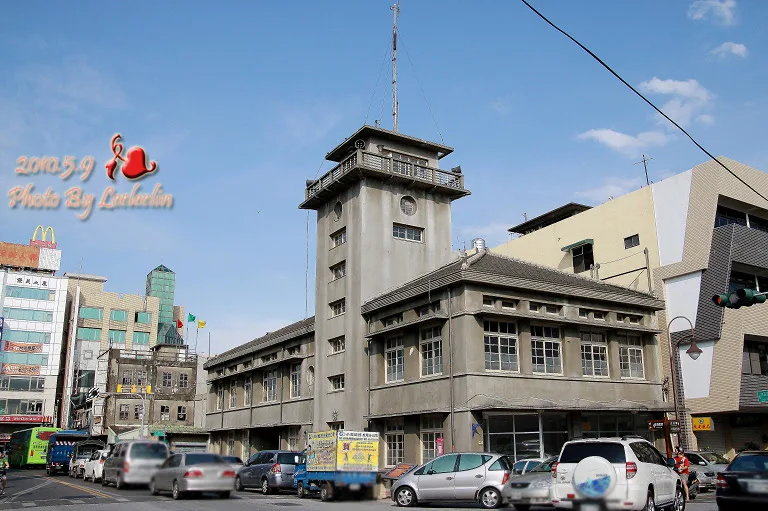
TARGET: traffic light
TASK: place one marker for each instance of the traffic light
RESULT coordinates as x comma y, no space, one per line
741,298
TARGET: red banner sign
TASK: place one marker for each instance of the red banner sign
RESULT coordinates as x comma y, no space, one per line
20,369
26,418
439,447
22,347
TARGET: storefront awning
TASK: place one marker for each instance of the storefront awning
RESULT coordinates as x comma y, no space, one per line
588,241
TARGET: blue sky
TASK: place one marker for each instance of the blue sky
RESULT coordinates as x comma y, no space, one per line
238,102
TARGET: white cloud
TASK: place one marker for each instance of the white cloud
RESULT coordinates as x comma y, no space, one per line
494,233
706,119
626,144
689,99
612,187
501,106
720,10
730,48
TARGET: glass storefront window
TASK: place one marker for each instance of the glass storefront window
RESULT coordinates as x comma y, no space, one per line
524,436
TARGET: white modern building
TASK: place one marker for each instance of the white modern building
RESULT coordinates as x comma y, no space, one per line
33,318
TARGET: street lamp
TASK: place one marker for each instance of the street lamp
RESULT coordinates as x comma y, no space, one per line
693,351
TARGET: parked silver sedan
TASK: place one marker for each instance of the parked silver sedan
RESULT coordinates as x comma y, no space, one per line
201,472
532,488
457,477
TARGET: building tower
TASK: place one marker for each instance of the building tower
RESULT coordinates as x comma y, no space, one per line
161,283
383,217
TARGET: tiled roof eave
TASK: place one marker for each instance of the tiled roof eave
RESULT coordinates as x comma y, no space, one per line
259,344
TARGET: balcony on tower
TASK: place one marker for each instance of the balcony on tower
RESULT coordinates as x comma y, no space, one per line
389,156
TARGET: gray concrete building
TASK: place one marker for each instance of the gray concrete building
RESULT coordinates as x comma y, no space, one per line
433,349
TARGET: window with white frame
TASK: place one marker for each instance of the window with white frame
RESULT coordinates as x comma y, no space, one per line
141,378
270,386
231,444
599,315
489,301
295,380
336,426
405,232
337,344
546,350
431,347
124,412
220,396
167,379
508,304
394,438
500,339
631,356
431,430
137,412
183,381
165,413
337,382
247,391
233,394
181,413
339,238
594,354
338,307
338,270
394,356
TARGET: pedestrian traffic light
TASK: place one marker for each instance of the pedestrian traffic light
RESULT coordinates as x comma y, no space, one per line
741,298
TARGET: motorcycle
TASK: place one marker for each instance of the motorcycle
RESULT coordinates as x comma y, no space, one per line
693,485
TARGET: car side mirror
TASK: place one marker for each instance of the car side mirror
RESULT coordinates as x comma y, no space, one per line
430,472
671,463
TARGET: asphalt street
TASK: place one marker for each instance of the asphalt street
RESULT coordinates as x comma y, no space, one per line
27,489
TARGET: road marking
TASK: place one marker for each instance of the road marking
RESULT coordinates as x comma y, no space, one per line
28,490
28,504
83,488
75,501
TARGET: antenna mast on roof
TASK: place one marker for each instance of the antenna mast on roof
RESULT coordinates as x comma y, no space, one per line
396,9
645,161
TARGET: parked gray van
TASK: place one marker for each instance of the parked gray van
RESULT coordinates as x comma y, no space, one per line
133,462
271,471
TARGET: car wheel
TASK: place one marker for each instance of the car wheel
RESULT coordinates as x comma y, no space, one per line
405,497
153,487
265,487
650,504
679,503
300,491
239,484
490,498
224,495
176,492
104,481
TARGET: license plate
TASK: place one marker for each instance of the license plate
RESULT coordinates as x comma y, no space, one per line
758,486
516,495
354,487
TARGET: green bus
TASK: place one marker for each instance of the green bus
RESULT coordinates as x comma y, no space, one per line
29,447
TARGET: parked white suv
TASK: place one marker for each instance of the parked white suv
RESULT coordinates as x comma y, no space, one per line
627,473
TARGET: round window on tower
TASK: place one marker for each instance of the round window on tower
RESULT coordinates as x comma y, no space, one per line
408,205
337,211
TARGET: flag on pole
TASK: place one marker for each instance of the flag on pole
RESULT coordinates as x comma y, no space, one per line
179,324
200,324
190,318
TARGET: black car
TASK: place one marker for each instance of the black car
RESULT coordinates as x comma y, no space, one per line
744,482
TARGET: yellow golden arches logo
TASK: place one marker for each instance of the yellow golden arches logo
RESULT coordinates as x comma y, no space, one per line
34,242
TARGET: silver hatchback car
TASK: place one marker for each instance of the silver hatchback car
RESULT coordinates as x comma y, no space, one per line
457,477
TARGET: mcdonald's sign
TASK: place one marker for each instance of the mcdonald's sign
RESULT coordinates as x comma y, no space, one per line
43,242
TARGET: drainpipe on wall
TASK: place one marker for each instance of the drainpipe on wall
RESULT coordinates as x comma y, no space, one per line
450,374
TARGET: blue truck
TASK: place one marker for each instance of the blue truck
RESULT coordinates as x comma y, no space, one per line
338,464
61,445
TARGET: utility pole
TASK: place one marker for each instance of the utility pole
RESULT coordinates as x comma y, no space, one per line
645,161
396,9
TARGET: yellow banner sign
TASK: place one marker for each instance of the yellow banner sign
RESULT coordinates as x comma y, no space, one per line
702,424
321,451
21,347
358,451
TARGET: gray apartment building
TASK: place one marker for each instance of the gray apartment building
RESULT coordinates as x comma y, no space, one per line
432,349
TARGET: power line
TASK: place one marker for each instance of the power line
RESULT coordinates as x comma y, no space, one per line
614,73
422,89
